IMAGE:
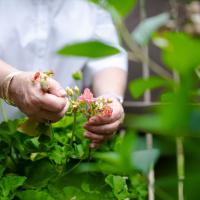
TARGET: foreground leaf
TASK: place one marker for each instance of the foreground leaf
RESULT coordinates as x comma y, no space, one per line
139,86
145,159
143,32
182,51
122,7
89,49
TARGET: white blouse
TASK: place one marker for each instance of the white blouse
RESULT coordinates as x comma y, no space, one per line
31,31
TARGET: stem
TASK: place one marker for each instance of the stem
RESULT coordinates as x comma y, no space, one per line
4,114
151,174
180,167
74,128
147,99
180,156
51,131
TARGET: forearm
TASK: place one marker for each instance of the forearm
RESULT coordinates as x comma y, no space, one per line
110,80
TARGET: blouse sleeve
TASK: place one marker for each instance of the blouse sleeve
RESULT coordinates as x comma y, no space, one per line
105,30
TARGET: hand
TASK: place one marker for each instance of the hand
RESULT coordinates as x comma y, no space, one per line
102,128
34,102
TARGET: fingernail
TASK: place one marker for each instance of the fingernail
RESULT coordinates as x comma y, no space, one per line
86,134
62,93
92,145
85,126
92,120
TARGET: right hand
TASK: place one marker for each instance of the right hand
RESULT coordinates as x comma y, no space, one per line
34,102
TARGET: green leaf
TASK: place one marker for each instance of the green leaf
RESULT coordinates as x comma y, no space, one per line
58,154
38,156
182,51
139,86
89,49
39,173
73,193
9,184
143,32
29,127
2,169
147,123
34,195
64,122
118,185
32,128
145,159
122,7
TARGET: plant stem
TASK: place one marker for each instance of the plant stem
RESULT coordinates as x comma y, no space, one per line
51,131
147,99
180,155
74,128
4,114
180,167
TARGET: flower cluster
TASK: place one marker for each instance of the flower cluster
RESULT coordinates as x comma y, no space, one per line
84,103
87,104
42,78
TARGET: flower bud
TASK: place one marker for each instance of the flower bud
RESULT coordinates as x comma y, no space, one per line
109,100
69,91
76,89
77,76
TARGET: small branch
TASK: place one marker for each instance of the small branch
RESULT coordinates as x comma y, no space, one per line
180,156
74,128
180,167
147,99
155,67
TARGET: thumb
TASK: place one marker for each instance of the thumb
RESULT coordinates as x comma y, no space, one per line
55,88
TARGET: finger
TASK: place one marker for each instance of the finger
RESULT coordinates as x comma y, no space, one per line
52,103
103,120
94,145
117,114
55,88
106,129
92,136
51,116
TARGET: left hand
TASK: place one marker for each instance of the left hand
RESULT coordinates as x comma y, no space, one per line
101,128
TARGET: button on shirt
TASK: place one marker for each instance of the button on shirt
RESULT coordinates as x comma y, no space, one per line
33,30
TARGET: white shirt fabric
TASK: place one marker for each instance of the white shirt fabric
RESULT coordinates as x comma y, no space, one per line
33,30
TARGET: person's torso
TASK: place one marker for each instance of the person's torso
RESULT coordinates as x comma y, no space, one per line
33,30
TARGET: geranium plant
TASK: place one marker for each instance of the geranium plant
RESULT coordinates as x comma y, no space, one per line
55,161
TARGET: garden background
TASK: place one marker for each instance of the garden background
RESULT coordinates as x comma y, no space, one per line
156,153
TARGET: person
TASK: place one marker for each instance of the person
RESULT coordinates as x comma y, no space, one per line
31,32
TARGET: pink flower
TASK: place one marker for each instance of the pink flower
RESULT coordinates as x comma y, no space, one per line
36,76
107,111
87,96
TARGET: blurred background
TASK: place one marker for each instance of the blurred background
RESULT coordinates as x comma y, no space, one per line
165,169
154,7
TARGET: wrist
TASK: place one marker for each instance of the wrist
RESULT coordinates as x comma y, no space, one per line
5,87
113,95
